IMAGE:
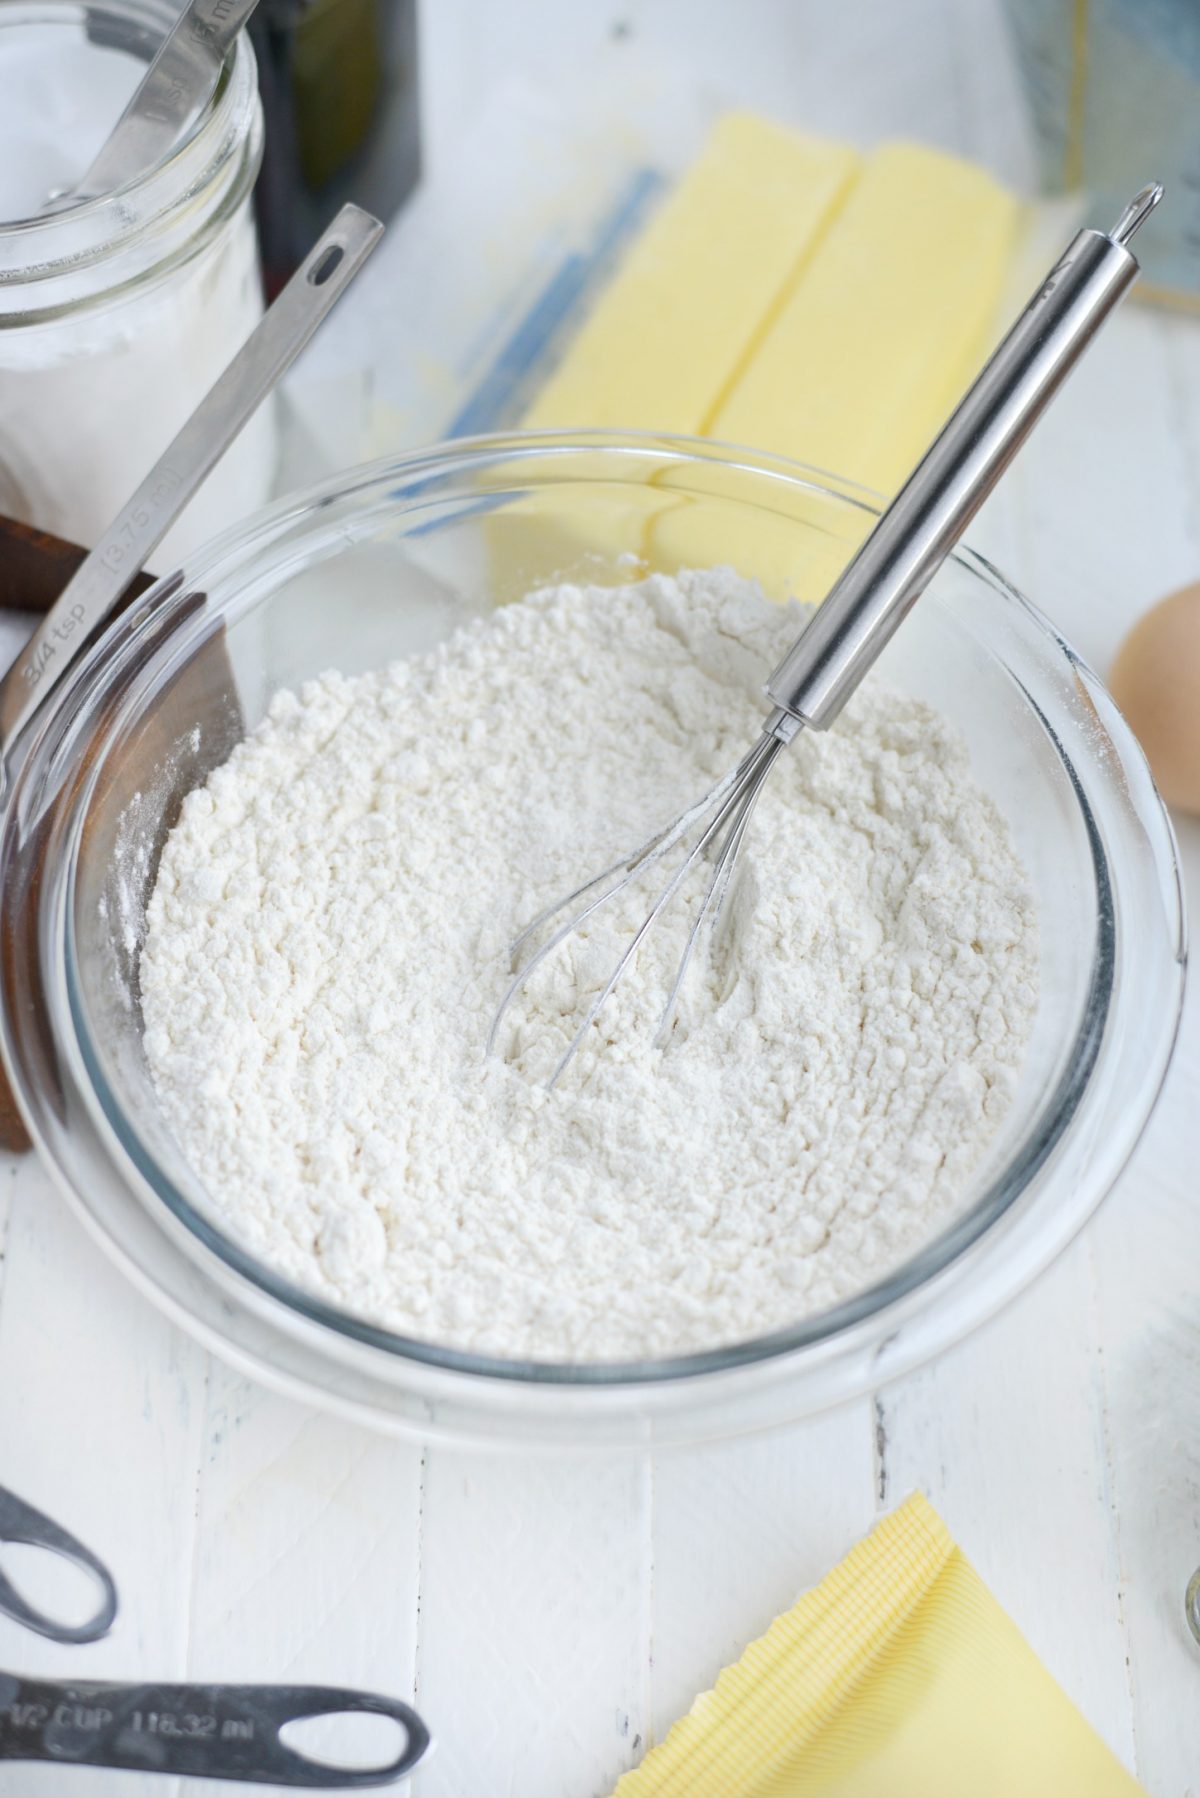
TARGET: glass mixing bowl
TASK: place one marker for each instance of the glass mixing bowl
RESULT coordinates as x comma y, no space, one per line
383,562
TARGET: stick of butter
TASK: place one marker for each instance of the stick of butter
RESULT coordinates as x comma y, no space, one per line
883,331
899,1676
878,337
672,332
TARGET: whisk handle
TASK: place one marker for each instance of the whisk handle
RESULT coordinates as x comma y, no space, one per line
933,508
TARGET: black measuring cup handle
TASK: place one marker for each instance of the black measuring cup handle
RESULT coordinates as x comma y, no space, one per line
20,1522
213,1732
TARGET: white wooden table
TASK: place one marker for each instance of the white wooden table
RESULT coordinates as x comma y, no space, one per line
551,1618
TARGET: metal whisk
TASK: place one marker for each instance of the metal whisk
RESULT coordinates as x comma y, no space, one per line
869,600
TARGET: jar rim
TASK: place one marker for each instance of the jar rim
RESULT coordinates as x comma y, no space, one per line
81,239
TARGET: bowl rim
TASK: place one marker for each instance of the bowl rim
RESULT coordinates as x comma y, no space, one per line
943,1263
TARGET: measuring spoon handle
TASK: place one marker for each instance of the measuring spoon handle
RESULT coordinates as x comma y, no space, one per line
267,353
174,87
213,1732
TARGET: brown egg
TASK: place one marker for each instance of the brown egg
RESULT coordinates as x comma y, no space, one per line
1156,682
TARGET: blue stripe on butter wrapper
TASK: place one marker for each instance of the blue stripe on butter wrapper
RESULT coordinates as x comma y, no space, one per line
525,356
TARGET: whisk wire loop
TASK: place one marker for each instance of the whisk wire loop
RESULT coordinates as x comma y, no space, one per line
722,875
727,806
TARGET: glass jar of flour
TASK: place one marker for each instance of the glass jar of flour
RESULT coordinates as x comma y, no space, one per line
116,314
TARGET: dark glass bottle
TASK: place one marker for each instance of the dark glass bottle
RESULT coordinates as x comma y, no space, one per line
340,97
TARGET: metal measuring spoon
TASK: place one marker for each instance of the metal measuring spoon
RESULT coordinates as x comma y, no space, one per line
175,86
215,1732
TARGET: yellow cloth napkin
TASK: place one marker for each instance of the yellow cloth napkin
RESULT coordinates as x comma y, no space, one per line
899,1676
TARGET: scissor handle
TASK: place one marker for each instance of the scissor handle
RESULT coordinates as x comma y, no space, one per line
21,1522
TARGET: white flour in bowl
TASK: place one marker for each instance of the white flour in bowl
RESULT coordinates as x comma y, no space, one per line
327,943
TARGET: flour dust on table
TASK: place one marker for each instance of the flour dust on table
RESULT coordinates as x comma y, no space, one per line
328,939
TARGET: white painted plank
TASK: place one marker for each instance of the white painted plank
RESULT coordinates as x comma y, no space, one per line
1098,527
1148,1256
1147,1245
927,68
1102,492
1107,517
1179,443
99,1427
308,1549
980,70
534,1645
1005,1435
10,1167
740,1530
